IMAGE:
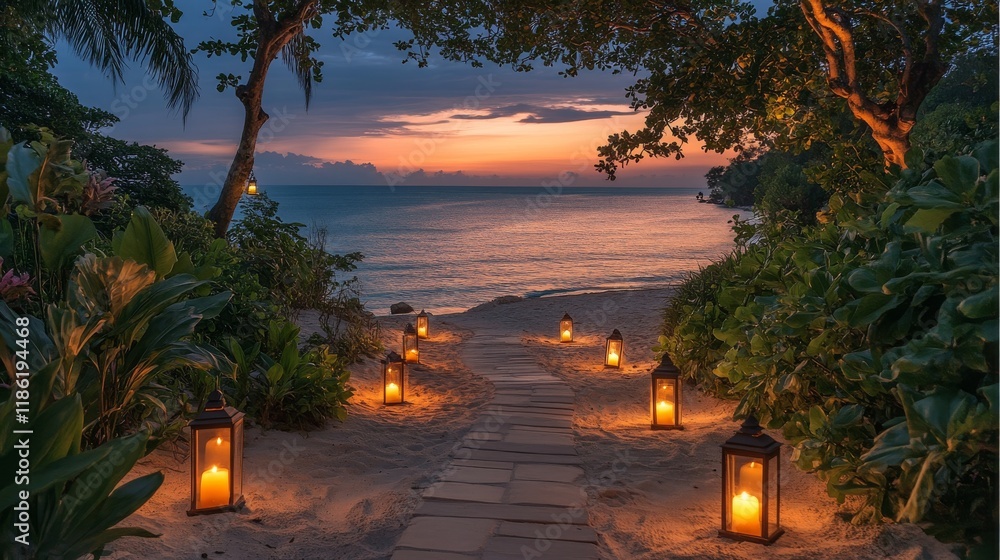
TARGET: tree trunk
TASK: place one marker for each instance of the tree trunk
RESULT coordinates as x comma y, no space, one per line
272,36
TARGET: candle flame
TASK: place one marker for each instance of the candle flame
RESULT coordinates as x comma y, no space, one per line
218,441
216,469
392,385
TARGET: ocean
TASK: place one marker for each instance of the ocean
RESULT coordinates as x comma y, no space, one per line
447,249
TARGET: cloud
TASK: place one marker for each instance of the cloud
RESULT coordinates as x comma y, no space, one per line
537,114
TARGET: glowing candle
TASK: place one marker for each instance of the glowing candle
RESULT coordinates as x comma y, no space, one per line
612,358
567,335
751,478
392,393
422,331
746,514
665,413
217,452
214,488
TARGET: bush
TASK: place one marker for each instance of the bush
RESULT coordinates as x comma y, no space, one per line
872,342
293,390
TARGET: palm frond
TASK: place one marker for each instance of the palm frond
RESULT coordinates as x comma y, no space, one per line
105,32
295,55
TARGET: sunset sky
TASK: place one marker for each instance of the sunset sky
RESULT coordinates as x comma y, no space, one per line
373,117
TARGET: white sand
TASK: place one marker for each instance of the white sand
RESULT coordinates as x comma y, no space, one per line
350,489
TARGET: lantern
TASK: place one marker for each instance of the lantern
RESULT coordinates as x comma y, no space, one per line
252,185
411,350
566,328
751,485
422,329
613,351
393,379
665,396
216,458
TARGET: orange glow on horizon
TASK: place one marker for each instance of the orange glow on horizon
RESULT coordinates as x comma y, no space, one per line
488,146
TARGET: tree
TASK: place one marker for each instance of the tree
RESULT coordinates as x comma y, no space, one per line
104,34
142,172
716,70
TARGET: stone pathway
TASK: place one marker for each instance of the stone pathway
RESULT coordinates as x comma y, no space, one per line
515,488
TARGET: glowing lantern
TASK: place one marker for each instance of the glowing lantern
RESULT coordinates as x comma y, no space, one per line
566,328
665,396
423,331
216,458
252,185
411,349
751,485
613,351
393,379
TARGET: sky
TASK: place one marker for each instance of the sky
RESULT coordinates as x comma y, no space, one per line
374,120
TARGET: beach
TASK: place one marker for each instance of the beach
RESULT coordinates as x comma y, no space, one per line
349,490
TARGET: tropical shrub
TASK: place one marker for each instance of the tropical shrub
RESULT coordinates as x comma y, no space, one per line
871,340
293,390
75,498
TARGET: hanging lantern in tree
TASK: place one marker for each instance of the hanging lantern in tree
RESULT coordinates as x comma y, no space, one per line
252,185
393,379
665,396
411,350
216,458
751,485
423,330
614,350
566,328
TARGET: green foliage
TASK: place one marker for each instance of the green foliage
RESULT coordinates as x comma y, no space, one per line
871,340
143,173
293,390
29,99
75,497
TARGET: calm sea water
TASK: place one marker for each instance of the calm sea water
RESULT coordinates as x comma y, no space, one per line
446,249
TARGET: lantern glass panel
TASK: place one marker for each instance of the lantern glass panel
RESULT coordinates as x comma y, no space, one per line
744,495
665,402
566,329
614,355
214,469
393,383
773,496
411,350
422,328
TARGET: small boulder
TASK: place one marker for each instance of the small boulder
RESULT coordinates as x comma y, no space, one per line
399,308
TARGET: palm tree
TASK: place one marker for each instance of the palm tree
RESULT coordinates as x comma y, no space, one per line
104,33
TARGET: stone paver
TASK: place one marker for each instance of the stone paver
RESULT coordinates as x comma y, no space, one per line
514,490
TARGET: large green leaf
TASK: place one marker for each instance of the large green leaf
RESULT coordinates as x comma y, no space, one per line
22,162
66,241
928,220
959,174
981,305
144,242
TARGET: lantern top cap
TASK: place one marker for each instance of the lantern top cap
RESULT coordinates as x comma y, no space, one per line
409,329
422,313
216,413
751,437
666,367
615,335
392,356
566,317
216,401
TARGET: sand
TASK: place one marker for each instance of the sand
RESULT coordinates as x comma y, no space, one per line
348,490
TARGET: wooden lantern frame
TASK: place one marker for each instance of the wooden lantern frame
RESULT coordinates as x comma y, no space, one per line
566,324
217,416
252,189
423,326
614,340
391,360
750,442
665,375
411,345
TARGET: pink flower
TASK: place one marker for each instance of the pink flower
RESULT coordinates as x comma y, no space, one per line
15,286
99,193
